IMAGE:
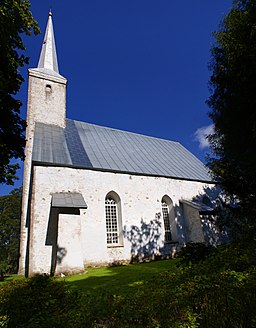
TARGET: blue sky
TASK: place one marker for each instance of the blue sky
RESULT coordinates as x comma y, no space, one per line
137,65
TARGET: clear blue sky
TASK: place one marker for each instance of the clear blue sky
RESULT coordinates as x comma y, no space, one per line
136,65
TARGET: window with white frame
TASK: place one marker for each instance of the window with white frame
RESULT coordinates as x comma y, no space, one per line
167,222
112,221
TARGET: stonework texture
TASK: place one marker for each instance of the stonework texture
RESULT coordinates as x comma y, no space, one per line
81,239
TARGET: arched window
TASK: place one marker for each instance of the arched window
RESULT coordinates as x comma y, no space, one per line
167,221
113,219
48,88
170,228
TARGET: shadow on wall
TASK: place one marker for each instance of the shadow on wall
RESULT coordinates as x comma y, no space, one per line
211,231
144,240
61,252
180,225
215,199
58,253
147,239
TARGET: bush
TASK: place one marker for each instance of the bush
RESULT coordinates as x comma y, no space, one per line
217,292
39,301
194,253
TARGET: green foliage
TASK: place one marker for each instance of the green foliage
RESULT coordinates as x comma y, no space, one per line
40,301
10,211
194,253
219,291
232,103
15,20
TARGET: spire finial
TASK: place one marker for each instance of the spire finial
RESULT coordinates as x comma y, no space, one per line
48,56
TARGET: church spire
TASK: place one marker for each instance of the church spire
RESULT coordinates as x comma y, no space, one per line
48,56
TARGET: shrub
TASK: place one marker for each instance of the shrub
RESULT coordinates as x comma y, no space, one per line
217,292
194,252
39,301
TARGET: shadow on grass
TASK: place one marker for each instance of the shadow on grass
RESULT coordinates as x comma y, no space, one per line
119,279
9,278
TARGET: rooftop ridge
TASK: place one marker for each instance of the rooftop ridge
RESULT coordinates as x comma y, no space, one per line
125,131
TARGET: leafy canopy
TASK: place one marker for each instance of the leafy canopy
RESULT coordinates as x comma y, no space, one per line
233,104
10,211
15,19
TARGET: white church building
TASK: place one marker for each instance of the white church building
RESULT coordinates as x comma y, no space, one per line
94,195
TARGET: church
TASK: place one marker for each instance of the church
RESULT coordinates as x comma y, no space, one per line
93,195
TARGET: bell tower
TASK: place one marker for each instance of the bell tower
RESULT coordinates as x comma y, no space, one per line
47,88
46,104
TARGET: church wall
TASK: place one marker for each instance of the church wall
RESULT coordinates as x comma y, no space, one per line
143,230
40,249
69,246
193,224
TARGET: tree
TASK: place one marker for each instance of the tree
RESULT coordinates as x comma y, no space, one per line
233,106
10,210
15,19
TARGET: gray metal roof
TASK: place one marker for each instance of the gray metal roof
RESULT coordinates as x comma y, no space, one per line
91,146
68,199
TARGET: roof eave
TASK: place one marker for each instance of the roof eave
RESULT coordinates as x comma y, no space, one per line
37,163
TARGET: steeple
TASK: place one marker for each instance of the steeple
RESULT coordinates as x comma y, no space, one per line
46,105
47,88
48,57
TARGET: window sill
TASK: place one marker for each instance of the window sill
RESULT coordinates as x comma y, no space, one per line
115,246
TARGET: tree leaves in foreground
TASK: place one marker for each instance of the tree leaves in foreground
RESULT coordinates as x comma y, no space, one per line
10,209
15,20
233,106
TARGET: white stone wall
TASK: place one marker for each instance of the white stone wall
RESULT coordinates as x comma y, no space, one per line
47,99
193,226
140,205
46,107
69,246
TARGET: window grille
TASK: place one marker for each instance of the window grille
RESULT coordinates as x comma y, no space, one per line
111,221
167,225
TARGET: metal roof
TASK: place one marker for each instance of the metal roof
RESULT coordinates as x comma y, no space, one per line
68,199
91,146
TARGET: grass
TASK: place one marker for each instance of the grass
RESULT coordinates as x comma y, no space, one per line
217,290
10,278
119,280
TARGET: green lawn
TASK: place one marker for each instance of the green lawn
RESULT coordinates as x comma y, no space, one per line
216,291
10,278
114,279
119,280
